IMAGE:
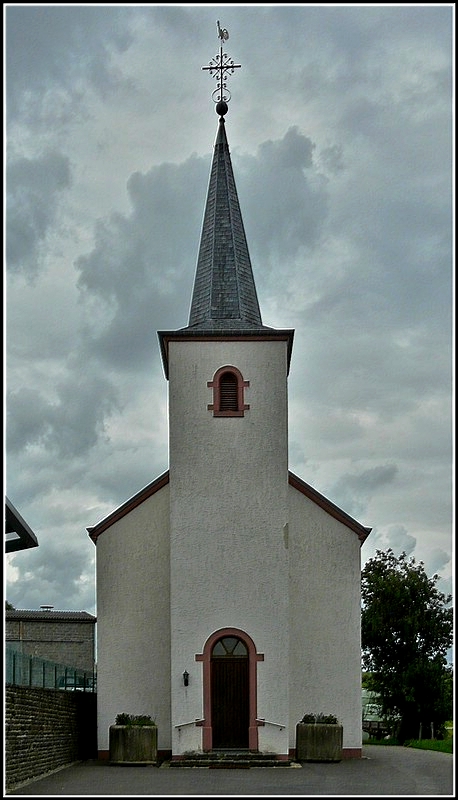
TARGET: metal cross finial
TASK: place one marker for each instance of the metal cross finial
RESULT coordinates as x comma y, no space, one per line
219,67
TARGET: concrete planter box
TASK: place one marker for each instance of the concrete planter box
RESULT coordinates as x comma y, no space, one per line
318,742
133,744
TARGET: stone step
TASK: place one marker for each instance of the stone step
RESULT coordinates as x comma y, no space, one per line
229,760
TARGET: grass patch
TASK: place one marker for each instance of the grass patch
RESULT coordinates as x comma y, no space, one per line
443,745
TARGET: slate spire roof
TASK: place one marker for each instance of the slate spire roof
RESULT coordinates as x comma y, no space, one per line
224,295
224,302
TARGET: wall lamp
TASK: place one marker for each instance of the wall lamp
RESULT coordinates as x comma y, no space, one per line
185,678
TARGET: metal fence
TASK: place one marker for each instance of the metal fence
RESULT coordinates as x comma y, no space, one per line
24,670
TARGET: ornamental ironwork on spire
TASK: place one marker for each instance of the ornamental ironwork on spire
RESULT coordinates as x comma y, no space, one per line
220,67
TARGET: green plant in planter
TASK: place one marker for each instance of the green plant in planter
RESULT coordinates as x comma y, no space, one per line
134,719
308,719
319,738
319,719
133,739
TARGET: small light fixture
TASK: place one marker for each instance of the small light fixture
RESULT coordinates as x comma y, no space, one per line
185,678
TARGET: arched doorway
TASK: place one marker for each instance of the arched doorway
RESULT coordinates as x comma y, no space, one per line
224,668
230,694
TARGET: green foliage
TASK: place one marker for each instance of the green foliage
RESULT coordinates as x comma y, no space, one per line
322,719
8,606
406,630
134,719
366,681
443,745
308,719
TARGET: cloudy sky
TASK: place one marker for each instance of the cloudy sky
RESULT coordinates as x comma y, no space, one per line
340,130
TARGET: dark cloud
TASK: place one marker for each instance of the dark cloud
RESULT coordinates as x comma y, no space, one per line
280,223
353,491
26,422
62,577
399,540
341,147
33,191
143,263
49,49
68,427
438,560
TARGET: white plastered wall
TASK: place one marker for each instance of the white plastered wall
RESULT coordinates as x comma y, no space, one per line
133,618
229,562
325,607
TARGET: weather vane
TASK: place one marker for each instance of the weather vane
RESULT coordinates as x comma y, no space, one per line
220,66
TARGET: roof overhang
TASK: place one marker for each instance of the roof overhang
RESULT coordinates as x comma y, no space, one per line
361,531
19,535
228,334
95,531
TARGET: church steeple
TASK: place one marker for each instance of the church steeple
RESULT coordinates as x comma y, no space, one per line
224,300
224,290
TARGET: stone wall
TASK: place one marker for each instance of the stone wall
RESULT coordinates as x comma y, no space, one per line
46,729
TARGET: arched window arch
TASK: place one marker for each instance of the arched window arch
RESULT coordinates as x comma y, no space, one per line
228,393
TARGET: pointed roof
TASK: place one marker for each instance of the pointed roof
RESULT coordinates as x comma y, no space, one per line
224,301
224,290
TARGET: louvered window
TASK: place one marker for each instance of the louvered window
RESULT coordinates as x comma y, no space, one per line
228,393
228,390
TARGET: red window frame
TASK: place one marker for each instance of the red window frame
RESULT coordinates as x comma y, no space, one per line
215,384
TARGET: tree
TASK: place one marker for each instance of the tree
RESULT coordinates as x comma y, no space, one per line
8,606
406,630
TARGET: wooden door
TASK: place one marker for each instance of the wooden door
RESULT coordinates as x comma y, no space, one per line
230,694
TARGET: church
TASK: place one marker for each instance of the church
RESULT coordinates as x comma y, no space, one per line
228,589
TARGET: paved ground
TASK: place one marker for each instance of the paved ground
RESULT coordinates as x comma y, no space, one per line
382,771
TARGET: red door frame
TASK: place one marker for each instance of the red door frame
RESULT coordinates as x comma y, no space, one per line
253,658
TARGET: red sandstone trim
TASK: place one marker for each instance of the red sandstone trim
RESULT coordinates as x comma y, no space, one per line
128,506
215,385
352,752
253,658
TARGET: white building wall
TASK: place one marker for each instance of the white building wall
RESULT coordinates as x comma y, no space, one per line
325,608
133,618
228,506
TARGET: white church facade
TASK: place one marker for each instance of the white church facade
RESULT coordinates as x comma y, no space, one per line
228,589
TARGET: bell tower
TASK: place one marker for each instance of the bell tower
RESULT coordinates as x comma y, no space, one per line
228,456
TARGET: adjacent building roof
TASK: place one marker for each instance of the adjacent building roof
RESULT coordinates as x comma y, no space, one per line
19,535
52,616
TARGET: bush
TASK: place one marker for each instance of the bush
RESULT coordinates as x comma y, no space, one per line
320,719
134,719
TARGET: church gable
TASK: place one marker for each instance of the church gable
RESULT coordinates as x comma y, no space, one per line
127,507
330,508
294,481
